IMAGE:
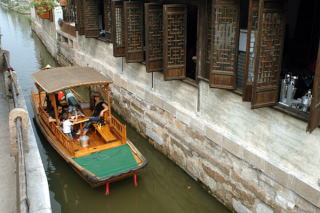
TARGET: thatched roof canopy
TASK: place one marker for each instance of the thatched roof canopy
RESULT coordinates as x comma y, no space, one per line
61,78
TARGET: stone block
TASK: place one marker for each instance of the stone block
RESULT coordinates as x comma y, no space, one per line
213,135
239,207
154,136
262,208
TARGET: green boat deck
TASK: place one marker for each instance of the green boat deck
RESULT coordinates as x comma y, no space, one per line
109,162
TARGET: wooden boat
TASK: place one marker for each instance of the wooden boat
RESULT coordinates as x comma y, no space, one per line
110,156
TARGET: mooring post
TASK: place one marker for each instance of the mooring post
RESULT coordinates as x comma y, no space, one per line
107,189
135,180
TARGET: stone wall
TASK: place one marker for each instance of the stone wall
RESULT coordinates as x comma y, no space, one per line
251,160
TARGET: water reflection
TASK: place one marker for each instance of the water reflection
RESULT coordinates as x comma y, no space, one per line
163,187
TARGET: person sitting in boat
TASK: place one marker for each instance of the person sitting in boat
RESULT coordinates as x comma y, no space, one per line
67,125
100,107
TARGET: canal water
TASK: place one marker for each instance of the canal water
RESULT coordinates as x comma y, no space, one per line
163,186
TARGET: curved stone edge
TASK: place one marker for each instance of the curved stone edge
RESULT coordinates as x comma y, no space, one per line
37,183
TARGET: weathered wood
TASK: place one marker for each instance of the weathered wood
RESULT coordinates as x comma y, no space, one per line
107,20
269,53
117,17
250,49
91,21
314,117
224,47
80,17
174,41
153,37
133,31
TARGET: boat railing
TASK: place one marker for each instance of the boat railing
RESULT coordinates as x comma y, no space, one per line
119,128
63,139
43,115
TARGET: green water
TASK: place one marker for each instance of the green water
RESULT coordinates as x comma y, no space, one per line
163,186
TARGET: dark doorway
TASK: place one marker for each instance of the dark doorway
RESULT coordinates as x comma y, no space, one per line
301,43
192,27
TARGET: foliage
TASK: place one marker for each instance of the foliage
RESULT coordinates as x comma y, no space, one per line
43,6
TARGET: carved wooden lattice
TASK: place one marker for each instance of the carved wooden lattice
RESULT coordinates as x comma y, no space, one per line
225,38
134,38
117,28
315,105
91,29
174,41
153,37
79,18
107,19
250,53
209,39
269,53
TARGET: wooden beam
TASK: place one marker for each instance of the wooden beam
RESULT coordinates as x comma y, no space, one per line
54,105
107,91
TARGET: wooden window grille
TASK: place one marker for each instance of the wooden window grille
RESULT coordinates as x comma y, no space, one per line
133,31
107,19
174,41
224,43
269,53
154,37
209,40
91,29
80,17
117,18
251,49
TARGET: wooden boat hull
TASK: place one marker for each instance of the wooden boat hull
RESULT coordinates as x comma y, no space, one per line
89,177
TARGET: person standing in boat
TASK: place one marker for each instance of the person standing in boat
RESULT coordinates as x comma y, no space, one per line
100,107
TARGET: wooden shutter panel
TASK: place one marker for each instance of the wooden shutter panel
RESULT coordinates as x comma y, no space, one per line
269,53
117,28
174,41
206,74
80,16
133,31
224,47
91,29
153,37
315,104
250,49
107,19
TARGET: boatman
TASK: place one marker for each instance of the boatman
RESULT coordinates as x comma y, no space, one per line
100,107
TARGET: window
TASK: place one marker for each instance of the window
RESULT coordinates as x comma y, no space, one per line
118,28
94,18
154,37
80,17
133,31
224,43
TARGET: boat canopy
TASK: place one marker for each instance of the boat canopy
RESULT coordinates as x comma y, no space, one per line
61,78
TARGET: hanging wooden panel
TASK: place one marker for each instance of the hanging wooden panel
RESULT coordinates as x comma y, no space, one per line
269,53
250,49
224,47
314,117
107,19
209,40
174,41
80,17
91,28
153,37
133,31
117,17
